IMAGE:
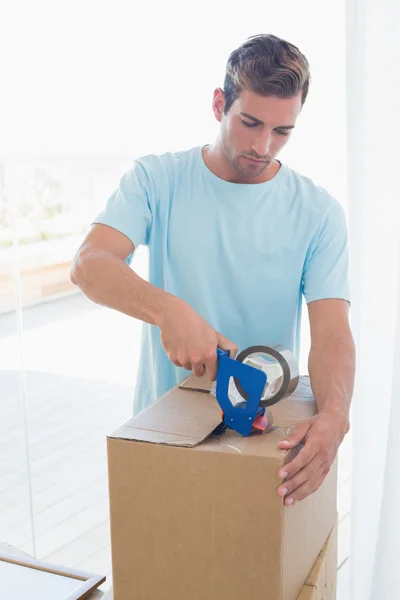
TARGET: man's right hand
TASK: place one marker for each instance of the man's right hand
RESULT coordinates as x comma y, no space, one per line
190,342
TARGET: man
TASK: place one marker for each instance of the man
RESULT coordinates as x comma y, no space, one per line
235,239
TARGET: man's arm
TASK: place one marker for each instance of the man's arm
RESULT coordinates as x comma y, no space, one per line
100,271
331,362
332,371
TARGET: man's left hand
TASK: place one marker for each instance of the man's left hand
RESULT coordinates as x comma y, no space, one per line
321,436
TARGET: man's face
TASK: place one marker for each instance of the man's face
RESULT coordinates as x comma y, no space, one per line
255,129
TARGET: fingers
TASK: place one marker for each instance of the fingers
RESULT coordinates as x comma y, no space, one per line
203,359
309,486
174,360
208,362
303,458
211,365
205,363
307,475
198,367
226,344
296,435
193,363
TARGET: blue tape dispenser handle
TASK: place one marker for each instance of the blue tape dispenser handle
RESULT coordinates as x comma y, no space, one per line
240,418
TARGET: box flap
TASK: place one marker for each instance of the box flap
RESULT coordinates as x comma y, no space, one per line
179,418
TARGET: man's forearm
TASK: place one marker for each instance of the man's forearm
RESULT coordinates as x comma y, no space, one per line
331,367
109,281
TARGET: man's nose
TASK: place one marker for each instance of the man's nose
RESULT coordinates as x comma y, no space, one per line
262,144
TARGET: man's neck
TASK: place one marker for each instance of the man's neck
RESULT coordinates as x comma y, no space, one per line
217,163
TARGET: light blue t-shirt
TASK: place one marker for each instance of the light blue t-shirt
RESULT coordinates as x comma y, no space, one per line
242,255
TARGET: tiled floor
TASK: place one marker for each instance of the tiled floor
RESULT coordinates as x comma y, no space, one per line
80,361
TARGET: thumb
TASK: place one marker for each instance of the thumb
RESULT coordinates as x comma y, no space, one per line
296,436
225,344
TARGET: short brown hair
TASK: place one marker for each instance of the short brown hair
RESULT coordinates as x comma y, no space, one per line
267,65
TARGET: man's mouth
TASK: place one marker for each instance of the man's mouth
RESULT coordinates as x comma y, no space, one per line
255,160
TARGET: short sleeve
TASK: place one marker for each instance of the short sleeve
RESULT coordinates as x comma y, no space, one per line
326,267
129,208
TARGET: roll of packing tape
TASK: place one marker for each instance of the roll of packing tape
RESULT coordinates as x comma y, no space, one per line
281,369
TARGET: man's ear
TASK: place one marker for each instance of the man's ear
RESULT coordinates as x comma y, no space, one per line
218,104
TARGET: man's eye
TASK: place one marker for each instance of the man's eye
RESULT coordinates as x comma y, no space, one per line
249,124
285,133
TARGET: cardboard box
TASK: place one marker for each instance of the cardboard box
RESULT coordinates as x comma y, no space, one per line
196,516
321,582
